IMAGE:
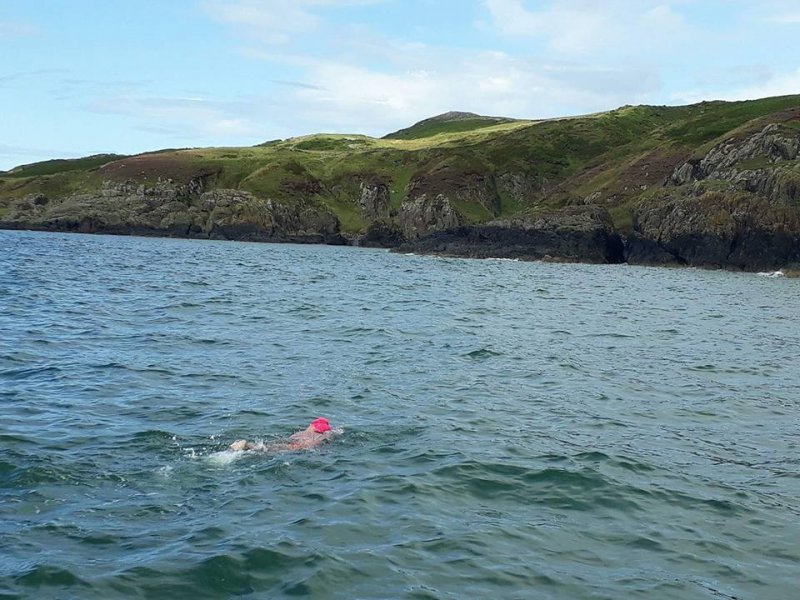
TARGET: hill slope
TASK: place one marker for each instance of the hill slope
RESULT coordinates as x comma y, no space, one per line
713,184
449,122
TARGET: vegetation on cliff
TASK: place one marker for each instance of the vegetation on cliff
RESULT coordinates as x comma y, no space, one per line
713,183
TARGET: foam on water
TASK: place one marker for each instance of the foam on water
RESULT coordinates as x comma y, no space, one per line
224,457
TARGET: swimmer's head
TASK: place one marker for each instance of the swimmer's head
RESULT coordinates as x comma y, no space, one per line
321,425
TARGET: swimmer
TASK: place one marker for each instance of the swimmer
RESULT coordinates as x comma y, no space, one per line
317,432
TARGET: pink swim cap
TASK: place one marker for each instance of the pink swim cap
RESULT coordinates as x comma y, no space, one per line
321,425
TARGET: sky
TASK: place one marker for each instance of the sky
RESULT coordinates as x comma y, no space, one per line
81,77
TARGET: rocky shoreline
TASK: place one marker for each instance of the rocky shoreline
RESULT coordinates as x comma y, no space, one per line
733,205
554,238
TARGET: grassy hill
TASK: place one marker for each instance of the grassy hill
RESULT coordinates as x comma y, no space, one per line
486,167
450,122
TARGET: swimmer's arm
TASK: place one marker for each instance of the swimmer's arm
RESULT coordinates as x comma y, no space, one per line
238,445
242,445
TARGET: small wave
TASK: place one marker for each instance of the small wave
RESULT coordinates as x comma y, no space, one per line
772,274
29,372
707,368
16,440
153,435
236,574
123,367
33,476
583,490
608,335
47,575
482,353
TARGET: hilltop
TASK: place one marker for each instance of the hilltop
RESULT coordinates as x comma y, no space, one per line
449,122
713,184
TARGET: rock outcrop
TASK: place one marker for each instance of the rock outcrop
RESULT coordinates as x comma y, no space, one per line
176,210
426,214
580,233
520,187
764,163
374,199
458,185
736,207
733,157
382,233
707,228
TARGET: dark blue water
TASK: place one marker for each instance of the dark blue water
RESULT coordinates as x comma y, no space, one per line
513,430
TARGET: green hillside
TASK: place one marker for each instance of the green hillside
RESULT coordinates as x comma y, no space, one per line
451,122
58,165
484,167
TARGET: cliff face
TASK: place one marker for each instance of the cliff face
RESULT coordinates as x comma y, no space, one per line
741,161
425,214
374,199
714,184
716,229
584,234
174,210
736,206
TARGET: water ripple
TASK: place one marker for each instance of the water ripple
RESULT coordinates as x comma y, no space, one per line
511,429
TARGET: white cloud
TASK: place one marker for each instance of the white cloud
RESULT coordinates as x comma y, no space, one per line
11,151
780,84
785,19
275,21
566,27
14,29
582,28
14,78
275,24
351,98
183,116
356,98
370,83
597,56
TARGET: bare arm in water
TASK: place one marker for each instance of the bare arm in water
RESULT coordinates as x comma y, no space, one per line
318,432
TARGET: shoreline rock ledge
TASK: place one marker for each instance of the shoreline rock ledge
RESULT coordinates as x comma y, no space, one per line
571,234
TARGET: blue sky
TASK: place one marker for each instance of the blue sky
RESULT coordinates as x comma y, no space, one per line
80,77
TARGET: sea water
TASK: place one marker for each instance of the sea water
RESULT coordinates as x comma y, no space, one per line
511,429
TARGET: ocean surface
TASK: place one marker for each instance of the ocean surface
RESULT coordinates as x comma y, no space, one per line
511,429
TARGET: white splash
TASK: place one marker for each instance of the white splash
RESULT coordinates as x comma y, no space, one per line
224,457
772,274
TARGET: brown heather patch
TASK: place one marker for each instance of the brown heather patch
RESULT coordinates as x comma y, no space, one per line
617,182
150,167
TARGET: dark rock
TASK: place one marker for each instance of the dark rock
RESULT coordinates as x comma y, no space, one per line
570,234
457,185
727,160
173,210
382,234
374,199
521,188
426,214
716,229
645,251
